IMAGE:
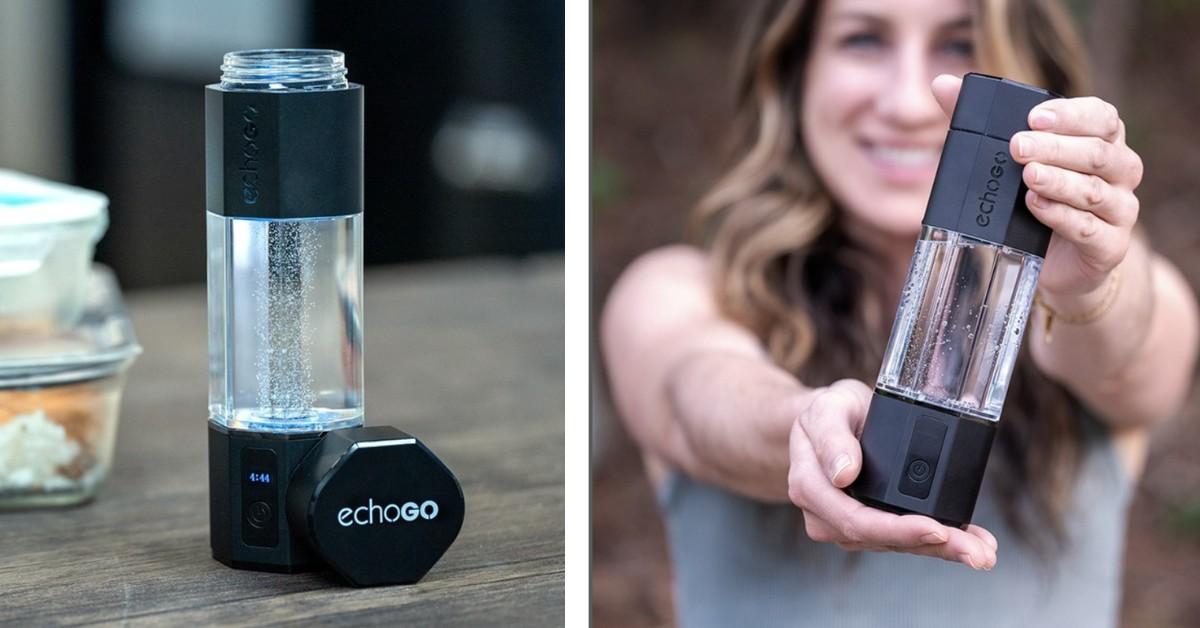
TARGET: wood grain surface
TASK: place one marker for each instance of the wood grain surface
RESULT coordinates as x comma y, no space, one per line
466,356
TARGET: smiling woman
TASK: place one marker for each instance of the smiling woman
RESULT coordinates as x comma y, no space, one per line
739,366
871,124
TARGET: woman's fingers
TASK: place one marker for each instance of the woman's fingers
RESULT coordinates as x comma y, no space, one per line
822,531
818,529
831,423
1058,191
958,549
945,91
851,521
1078,116
1081,191
983,533
1101,244
1114,163
964,547
958,553
826,456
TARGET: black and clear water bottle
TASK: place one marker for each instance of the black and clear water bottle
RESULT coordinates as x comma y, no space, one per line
961,316
295,481
285,243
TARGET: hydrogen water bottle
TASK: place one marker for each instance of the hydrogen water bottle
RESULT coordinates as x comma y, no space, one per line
295,482
284,169
285,243
961,316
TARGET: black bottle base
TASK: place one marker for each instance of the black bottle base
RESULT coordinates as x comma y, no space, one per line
922,460
373,504
248,477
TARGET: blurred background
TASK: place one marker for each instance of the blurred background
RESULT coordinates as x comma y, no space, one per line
661,107
464,117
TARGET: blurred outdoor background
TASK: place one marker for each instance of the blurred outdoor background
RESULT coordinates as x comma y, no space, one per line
464,117
661,109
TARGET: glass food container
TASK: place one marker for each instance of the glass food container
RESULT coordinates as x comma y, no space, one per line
59,400
961,316
48,232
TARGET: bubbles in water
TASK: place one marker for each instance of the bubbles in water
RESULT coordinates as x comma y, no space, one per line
284,309
932,356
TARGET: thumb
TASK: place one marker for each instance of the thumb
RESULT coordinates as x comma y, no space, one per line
831,424
945,90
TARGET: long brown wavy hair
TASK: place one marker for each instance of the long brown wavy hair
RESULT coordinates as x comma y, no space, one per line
785,268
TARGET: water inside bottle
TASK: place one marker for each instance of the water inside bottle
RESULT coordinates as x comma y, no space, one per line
959,323
285,323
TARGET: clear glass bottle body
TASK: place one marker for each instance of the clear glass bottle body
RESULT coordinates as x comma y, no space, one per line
285,323
959,323
285,295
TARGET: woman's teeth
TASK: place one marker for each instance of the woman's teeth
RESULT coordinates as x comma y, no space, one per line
905,157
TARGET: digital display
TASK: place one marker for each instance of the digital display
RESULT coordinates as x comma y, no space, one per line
257,477
260,497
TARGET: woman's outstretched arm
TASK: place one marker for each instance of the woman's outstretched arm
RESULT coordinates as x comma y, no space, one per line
1134,364
696,391
699,395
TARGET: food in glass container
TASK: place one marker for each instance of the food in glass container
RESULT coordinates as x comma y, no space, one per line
59,400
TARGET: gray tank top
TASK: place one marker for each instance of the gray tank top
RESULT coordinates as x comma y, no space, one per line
739,562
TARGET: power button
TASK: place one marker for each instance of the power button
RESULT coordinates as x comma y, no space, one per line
259,514
918,471
921,460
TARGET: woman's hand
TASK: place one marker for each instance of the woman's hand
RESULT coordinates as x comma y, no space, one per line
826,457
1081,177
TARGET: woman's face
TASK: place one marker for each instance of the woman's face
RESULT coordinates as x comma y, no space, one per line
870,123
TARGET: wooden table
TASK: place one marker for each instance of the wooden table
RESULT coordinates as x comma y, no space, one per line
467,356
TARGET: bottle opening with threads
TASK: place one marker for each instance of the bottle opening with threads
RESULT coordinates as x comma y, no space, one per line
285,328
284,69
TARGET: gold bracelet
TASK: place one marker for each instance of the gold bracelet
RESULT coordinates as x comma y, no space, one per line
1110,297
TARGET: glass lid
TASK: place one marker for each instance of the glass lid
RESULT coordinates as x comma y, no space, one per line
101,343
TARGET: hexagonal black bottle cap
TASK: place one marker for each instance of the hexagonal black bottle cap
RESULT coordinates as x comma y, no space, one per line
376,504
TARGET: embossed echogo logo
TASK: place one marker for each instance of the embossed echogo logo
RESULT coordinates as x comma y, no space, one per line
250,163
374,513
987,200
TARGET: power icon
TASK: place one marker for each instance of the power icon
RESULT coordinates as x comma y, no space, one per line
259,514
918,470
